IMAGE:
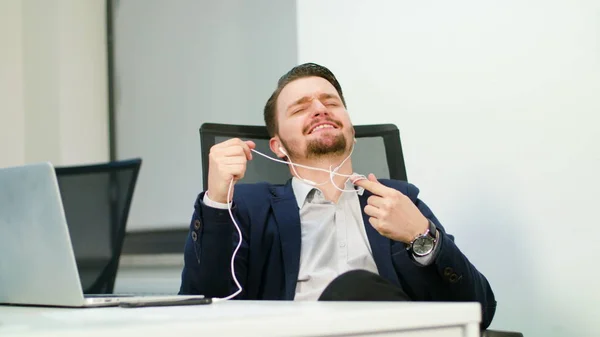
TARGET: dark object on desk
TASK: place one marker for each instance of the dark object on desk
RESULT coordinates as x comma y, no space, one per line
198,301
362,285
96,199
378,150
497,333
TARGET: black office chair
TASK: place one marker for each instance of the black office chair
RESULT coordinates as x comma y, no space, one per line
96,199
378,150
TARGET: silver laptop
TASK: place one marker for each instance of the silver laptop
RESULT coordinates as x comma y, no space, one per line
37,263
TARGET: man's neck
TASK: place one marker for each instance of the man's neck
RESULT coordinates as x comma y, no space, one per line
330,191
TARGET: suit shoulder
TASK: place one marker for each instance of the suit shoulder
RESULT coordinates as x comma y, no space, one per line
262,186
252,193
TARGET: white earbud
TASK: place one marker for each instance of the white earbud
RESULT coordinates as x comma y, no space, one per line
282,150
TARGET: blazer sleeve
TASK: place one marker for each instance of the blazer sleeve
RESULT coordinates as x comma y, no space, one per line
209,247
458,278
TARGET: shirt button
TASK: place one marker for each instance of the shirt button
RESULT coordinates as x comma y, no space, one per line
342,244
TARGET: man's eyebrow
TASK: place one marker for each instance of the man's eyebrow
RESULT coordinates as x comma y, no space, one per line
327,96
302,100
307,99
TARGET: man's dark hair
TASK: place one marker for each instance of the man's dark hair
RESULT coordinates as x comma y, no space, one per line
300,71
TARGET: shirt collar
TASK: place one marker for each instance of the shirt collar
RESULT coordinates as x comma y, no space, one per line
302,189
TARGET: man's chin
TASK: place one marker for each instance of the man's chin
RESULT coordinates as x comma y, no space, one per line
326,146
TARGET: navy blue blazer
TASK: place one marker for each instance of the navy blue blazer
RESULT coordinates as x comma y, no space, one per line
268,261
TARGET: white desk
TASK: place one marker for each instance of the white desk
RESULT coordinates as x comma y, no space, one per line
249,318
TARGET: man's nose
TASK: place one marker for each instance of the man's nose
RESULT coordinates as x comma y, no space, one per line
319,108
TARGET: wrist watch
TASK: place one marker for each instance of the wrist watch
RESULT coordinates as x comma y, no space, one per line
424,243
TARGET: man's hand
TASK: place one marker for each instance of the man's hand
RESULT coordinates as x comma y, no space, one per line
226,161
392,213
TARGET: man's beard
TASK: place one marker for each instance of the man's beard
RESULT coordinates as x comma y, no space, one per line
317,148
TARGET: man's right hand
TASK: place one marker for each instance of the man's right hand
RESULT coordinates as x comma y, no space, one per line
226,161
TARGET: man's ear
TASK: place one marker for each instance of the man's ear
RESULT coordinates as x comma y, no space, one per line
276,146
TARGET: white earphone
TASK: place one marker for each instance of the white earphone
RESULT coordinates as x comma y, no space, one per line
310,182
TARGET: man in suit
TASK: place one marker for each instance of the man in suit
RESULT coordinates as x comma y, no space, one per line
339,237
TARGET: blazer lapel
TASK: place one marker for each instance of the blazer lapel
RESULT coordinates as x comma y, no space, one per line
380,245
287,217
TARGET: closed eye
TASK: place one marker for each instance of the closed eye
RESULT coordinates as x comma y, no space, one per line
331,102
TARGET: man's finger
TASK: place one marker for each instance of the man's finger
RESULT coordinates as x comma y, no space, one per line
374,222
245,145
376,201
373,186
246,150
251,146
372,211
229,142
238,160
232,151
237,171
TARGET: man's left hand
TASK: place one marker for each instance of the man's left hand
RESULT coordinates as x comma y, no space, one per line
392,213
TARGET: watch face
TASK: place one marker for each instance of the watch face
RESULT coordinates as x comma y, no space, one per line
423,245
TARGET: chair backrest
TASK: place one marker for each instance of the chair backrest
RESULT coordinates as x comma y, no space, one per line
378,150
96,200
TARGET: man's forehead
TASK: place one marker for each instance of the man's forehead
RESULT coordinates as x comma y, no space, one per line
306,86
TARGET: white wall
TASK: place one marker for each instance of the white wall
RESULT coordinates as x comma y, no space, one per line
54,82
183,63
497,104
12,148
83,88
